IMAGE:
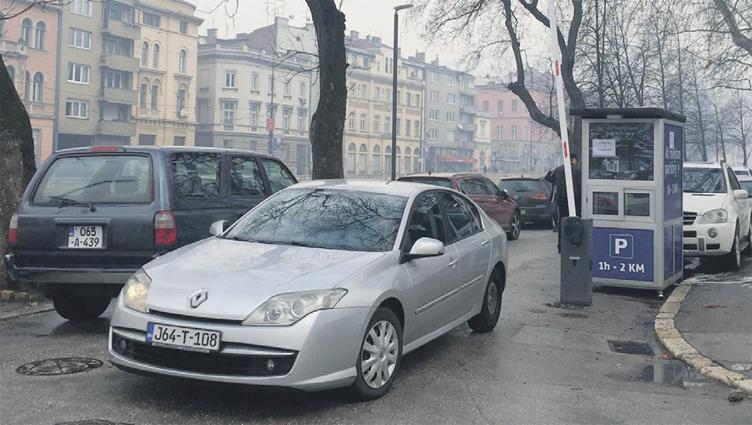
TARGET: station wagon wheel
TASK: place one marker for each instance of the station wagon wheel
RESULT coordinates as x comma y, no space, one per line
379,356
514,232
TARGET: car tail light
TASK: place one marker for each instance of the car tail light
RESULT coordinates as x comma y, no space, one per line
13,230
540,196
165,229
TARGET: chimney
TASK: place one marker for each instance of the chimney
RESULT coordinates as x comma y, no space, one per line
354,35
435,61
420,57
376,40
211,36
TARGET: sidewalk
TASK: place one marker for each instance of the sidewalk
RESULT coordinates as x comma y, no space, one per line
11,310
716,319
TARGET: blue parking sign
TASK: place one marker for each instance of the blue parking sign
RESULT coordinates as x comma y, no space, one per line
625,254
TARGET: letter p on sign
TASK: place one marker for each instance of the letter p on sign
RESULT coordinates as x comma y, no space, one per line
621,246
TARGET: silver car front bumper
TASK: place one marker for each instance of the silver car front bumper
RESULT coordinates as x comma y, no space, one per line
324,347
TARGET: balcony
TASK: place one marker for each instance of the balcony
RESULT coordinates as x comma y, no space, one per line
466,127
124,63
11,49
121,29
111,95
116,128
468,109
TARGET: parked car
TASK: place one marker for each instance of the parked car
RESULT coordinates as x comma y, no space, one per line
742,171
533,195
716,214
325,284
746,182
494,201
91,217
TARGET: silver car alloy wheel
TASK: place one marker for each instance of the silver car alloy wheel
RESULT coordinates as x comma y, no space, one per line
491,298
379,355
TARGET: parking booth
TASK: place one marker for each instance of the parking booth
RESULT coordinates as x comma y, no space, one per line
632,190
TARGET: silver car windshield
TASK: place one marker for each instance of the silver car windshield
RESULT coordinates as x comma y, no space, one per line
323,218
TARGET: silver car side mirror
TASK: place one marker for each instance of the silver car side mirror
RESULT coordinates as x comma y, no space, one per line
217,228
425,247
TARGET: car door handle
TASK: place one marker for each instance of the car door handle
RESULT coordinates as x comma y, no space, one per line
485,242
452,261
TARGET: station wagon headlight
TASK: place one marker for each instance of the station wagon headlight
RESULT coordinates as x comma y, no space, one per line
135,290
286,309
714,216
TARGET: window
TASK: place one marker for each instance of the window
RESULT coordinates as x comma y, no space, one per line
77,109
245,177
147,139
39,35
606,203
514,132
417,129
351,159
417,100
433,134
453,80
184,27
500,106
363,124
182,61
387,124
399,127
485,106
116,79
733,181
434,77
514,105
621,151
37,88
196,175
254,81
301,119
27,85
303,90
426,221
377,95
362,159
364,91
450,117
351,121
155,56
434,96
463,221
637,204
122,47
227,143
499,132
145,54
78,73
178,141
230,79
452,99
433,115
80,39
277,174
408,160
181,112
154,97
26,31
81,7
142,92
228,112
151,19
408,126
286,113
376,160
376,123
254,108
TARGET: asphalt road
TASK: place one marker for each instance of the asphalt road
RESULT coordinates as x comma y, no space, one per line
543,364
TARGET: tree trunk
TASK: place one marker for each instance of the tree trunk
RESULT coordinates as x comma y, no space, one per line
328,122
16,155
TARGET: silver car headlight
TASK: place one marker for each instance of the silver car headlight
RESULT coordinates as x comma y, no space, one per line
714,216
286,309
135,291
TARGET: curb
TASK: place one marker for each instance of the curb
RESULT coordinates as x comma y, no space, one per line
7,295
675,343
35,309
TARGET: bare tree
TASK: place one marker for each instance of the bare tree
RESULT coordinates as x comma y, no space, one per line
328,122
740,113
732,14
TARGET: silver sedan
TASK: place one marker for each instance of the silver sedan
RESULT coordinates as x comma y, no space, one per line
325,284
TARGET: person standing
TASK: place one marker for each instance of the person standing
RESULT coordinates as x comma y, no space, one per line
557,178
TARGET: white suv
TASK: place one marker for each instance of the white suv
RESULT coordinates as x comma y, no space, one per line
716,214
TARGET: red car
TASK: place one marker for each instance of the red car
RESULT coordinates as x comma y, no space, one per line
494,201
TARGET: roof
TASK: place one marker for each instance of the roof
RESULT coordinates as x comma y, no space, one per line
139,148
702,165
445,175
374,186
654,113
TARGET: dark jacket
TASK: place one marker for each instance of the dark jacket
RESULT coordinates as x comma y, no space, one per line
558,179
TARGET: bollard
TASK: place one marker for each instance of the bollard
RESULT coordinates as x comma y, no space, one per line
576,261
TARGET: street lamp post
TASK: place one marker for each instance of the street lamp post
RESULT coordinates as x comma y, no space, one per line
395,59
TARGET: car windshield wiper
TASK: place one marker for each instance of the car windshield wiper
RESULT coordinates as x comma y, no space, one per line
67,202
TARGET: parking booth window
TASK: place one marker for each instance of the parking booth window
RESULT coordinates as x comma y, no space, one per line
606,203
245,177
637,204
196,174
621,151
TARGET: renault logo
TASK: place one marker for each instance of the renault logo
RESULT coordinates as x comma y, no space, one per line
198,298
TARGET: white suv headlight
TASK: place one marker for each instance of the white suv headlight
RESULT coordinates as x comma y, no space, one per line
714,216
135,291
286,309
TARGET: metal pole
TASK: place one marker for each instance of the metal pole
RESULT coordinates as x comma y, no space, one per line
395,58
556,54
270,147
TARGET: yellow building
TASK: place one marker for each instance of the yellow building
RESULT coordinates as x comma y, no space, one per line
368,123
167,52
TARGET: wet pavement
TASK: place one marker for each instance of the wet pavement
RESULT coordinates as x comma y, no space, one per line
545,363
716,317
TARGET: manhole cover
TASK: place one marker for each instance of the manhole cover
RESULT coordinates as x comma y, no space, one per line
631,347
62,366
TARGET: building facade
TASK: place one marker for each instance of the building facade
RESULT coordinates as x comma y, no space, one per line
518,143
253,98
167,55
29,46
